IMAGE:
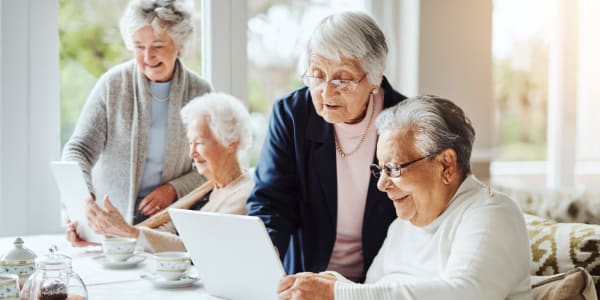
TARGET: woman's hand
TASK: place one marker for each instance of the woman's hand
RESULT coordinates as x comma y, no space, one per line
158,199
109,221
74,238
306,286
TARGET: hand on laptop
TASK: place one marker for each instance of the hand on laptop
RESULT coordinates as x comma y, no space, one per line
306,286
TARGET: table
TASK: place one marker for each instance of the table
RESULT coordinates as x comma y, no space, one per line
103,283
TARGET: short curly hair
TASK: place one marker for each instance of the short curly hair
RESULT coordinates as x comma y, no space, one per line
228,119
174,16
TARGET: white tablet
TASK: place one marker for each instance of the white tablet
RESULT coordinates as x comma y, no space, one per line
73,192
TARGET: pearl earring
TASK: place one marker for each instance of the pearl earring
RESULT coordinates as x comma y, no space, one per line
374,91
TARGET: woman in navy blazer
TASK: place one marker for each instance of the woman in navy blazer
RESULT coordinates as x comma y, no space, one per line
313,187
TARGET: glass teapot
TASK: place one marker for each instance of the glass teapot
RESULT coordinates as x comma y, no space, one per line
54,280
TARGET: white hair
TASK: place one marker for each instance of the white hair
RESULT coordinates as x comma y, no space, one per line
353,35
437,124
228,119
174,16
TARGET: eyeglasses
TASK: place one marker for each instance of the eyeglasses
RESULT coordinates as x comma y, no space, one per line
341,85
393,170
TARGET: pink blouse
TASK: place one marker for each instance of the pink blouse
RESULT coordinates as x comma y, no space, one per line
352,187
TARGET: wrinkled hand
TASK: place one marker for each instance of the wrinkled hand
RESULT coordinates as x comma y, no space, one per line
306,286
158,200
74,238
109,221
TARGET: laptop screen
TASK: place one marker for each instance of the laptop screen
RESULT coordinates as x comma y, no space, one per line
233,254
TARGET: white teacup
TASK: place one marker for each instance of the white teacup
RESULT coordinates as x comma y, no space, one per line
118,249
171,265
9,286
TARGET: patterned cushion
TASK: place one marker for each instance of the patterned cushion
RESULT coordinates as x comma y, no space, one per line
560,247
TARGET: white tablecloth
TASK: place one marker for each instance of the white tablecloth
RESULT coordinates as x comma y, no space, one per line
104,283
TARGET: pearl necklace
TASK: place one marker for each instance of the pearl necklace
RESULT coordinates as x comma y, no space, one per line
362,137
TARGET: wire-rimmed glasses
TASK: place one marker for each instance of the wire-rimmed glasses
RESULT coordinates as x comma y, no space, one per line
342,85
393,170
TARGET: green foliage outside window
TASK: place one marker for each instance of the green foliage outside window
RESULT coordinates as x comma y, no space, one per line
521,94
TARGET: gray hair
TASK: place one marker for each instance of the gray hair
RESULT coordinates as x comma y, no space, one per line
437,123
353,35
174,16
228,119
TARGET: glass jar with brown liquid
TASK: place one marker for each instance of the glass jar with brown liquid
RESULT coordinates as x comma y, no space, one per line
54,280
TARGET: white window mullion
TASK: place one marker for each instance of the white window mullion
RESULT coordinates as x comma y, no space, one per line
562,96
224,46
399,21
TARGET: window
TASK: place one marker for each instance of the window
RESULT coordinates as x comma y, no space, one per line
521,34
534,117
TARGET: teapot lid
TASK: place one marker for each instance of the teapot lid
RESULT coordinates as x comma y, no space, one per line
18,253
54,260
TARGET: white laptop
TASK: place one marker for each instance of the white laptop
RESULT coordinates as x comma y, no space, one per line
73,192
233,254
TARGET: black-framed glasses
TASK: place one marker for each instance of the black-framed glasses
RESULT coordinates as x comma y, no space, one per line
342,85
393,170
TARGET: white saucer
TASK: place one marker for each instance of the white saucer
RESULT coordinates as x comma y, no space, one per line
129,263
185,281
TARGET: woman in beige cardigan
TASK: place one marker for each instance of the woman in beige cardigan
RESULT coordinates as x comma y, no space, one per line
129,140
218,131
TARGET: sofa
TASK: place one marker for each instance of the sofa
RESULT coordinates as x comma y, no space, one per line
564,239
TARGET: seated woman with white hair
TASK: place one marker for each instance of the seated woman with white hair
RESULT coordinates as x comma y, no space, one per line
454,237
219,132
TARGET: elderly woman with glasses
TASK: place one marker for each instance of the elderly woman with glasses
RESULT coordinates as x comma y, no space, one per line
320,207
454,238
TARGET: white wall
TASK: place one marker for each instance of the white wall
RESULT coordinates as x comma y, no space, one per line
455,59
30,124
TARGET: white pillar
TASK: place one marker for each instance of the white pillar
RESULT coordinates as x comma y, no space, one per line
562,95
225,59
30,117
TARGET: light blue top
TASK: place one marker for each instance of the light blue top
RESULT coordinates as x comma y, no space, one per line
157,137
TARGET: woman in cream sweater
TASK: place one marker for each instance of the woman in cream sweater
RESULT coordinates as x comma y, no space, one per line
218,131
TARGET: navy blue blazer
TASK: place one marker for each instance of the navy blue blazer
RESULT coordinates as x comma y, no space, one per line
295,192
